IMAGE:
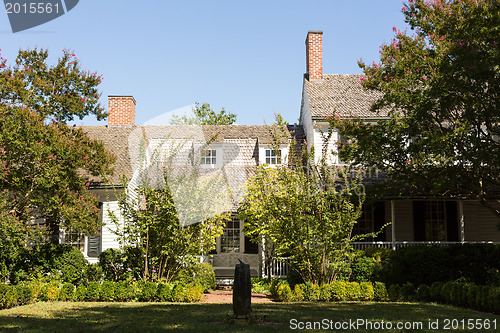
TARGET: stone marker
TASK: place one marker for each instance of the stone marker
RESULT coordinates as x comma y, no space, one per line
242,291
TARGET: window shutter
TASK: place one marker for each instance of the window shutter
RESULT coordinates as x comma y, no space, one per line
418,221
94,245
451,221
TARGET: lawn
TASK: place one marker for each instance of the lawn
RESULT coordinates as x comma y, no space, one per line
270,317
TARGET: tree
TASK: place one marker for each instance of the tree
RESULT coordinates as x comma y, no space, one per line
62,91
204,115
441,88
46,169
305,213
173,209
46,166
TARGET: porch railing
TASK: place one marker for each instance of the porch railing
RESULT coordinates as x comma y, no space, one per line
400,244
279,268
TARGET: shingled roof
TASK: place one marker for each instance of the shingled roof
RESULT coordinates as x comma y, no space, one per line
125,142
341,94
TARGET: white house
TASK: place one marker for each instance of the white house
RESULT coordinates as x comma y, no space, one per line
236,151
414,219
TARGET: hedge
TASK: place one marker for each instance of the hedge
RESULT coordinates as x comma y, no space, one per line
109,291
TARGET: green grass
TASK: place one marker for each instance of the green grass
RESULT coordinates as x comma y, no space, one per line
271,317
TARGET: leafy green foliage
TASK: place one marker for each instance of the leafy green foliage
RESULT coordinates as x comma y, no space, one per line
62,91
379,292
50,262
204,115
440,86
165,241
46,170
199,273
428,264
303,213
122,264
66,291
194,292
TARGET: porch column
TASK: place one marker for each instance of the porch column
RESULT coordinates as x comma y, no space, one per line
393,225
461,220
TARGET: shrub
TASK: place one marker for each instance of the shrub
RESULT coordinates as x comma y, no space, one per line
200,273
164,292
393,293
80,293
93,272
366,291
48,292
24,294
122,264
107,293
423,293
363,268
380,292
284,293
495,299
66,291
436,291
178,293
338,291
311,292
298,293
472,296
474,263
194,292
446,291
275,283
60,262
147,291
8,296
325,293
35,289
123,291
93,292
353,292
260,285
407,292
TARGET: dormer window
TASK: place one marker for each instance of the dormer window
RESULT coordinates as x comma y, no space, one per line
273,156
209,157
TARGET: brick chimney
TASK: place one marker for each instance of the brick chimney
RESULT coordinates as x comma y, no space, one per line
121,111
314,55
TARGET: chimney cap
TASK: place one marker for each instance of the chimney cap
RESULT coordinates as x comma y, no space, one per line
122,96
315,32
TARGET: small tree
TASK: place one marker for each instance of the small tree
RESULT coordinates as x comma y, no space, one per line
204,115
308,213
152,224
173,209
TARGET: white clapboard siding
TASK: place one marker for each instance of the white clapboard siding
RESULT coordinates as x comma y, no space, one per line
480,223
109,238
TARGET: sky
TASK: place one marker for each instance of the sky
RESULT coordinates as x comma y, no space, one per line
245,56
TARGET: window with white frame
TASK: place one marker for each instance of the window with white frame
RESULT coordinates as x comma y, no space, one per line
209,157
273,156
435,221
230,240
74,238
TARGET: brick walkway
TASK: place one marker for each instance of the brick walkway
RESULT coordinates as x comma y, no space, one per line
226,296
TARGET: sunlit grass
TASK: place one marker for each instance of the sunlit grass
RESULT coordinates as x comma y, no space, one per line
269,317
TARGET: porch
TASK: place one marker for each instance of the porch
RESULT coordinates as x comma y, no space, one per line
401,244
